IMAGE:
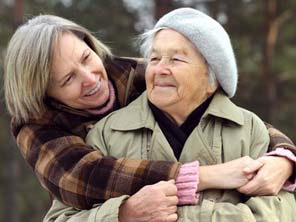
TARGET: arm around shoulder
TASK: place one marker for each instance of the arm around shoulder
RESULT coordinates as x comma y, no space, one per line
69,168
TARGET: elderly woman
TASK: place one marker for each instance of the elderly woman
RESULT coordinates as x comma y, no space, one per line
58,80
186,115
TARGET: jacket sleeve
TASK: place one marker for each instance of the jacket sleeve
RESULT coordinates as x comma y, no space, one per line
106,212
261,208
252,209
80,176
279,139
278,146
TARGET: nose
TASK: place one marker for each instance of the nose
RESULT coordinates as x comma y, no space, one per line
87,77
162,67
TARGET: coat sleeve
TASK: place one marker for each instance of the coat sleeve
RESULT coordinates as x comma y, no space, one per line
106,212
261,208
252,209
278,146
279,139
80,176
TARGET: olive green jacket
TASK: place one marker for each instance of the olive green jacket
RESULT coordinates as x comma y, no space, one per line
225,132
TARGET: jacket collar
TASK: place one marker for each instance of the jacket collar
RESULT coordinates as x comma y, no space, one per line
222,107
138,114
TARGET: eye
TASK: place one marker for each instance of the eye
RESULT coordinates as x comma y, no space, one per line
177,59
154,59
86,56
68,79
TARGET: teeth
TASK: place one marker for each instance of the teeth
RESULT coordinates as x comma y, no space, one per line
94,90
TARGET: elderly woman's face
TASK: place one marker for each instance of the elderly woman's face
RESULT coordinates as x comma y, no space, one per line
177,75
78,77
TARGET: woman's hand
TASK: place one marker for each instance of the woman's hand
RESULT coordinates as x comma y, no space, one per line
270,178
155,203
229,175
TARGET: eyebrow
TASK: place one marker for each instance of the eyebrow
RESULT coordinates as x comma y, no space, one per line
171,51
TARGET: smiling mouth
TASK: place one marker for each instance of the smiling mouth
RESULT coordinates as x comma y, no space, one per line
164,85
95,89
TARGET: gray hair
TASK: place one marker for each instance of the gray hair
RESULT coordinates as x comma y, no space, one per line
145,41
29,59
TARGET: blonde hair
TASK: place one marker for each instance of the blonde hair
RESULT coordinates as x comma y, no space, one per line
29,59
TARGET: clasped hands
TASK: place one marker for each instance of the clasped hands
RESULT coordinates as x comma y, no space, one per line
158,202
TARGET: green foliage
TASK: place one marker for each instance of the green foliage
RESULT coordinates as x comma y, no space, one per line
245,24
109,20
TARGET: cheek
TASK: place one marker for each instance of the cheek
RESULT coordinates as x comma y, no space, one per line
97,65
199,88
149,79
186,86
66,95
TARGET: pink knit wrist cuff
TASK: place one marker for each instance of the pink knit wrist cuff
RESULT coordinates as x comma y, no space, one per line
187,182
289,185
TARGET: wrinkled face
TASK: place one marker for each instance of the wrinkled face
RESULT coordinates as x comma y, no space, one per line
78,77
177,75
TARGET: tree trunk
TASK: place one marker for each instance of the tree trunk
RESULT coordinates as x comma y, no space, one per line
162,7
270,36
18,12
215,9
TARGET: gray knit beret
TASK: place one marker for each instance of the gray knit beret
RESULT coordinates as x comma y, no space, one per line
210,39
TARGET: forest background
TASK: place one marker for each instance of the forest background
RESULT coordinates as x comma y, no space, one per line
263,33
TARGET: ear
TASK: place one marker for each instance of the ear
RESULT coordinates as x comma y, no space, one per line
212,88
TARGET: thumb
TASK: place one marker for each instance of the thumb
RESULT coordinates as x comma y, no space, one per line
172,181
253,167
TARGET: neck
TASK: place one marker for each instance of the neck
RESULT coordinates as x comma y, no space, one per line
178,115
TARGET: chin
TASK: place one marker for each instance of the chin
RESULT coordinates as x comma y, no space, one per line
160,103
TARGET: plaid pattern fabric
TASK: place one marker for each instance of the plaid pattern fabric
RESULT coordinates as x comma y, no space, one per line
72,171
80,176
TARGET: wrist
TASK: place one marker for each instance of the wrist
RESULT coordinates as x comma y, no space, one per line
209,177
205,177
123,215
187,183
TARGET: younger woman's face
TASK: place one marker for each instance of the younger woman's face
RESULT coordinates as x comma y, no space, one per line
78,76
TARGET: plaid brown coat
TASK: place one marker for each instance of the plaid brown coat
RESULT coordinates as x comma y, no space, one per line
80,176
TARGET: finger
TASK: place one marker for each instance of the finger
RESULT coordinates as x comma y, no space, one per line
250,176
168,188
172,217
253,167
254,186
250,188
172,200
171,210
172,181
